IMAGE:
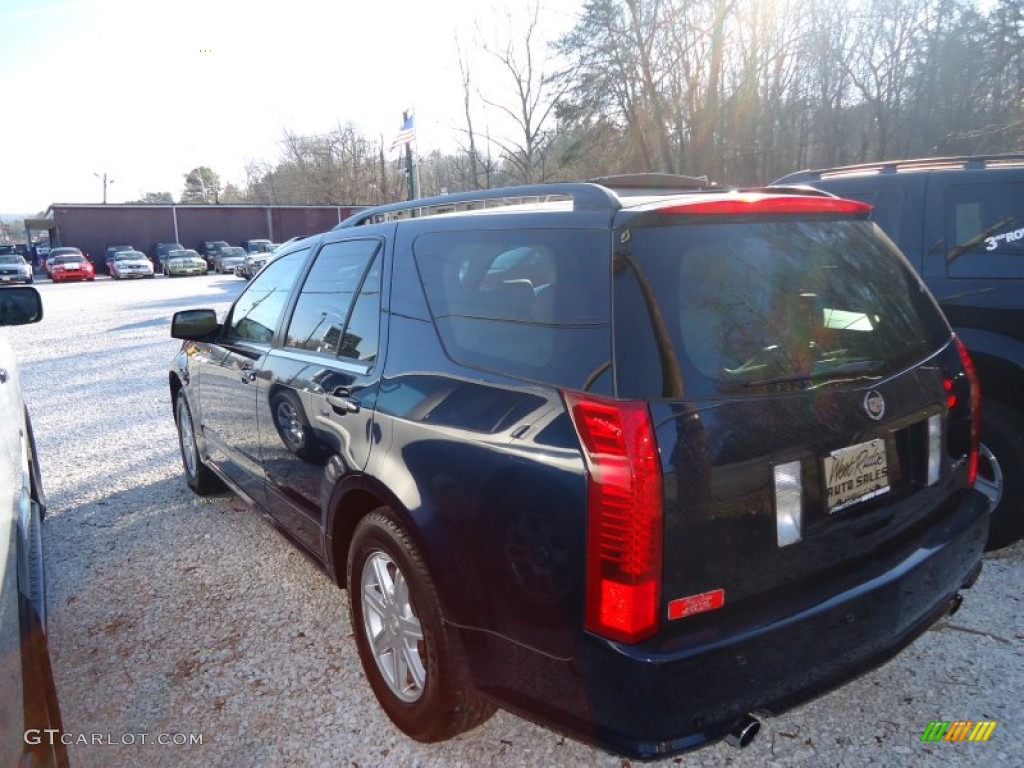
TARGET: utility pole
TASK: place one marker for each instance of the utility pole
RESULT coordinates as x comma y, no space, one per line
105,182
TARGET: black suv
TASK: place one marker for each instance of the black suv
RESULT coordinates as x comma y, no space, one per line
960,221
210,248
632,459
161,250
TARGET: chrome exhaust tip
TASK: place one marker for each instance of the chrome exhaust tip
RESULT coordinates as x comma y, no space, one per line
743,732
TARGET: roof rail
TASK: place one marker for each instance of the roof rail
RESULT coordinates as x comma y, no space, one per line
585,196
647,183
922,163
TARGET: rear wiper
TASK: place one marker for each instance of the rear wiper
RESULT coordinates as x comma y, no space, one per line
840,371
978,239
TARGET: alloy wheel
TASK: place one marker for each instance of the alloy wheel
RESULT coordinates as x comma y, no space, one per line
392,628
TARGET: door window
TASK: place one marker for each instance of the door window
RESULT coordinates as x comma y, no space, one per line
258,310
322,313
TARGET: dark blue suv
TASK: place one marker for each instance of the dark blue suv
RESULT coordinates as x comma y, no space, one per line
632,459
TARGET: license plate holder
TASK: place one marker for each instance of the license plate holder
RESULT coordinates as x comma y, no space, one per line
855,473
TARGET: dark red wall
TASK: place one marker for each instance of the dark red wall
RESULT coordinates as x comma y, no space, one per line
93,227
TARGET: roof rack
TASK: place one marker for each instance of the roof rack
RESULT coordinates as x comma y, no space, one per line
923,163
650,183
585,196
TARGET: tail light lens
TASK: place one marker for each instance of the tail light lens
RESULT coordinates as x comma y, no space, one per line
747,204
624,516
972,378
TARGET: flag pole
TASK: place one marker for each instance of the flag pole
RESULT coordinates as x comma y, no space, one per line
409,170
407,136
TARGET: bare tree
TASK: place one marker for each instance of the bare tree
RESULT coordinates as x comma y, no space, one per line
467,92
534,93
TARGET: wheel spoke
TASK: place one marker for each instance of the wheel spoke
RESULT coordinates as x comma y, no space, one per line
373,600
417,675
385,583
400,593
410,629
381,645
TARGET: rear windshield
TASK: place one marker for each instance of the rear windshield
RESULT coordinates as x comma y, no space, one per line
530,303
749,307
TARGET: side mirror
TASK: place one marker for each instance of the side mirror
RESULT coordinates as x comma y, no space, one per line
20,306
194,324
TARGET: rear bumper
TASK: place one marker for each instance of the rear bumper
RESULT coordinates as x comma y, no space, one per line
658,698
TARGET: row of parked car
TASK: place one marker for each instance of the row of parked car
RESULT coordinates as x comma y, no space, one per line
125,262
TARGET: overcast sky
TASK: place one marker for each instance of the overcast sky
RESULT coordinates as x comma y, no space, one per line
146,90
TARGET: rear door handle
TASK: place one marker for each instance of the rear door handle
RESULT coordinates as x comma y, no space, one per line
342,400
248,374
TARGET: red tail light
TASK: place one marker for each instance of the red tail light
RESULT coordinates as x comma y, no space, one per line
757,203
624,516
972,378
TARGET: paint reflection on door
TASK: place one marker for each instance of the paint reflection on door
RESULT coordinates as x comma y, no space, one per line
318,392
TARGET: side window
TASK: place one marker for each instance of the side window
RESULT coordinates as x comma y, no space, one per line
532,303
363,329
985,230
322,312
258,310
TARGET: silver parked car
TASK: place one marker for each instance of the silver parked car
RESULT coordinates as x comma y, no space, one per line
127,264
228,259
14,269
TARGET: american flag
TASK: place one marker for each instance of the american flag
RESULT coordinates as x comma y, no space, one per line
408,133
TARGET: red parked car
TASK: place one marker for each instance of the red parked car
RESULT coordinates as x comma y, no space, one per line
71,266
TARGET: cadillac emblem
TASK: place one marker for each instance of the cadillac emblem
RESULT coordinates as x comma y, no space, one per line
874,404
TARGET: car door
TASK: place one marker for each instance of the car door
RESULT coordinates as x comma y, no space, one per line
229,369
318,390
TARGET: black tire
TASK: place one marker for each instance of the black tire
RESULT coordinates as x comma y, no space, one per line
200,478
1001,471
430,700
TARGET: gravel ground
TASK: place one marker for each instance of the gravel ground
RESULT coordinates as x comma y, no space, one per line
181,620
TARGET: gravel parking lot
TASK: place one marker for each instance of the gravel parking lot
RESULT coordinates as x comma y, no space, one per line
190,621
